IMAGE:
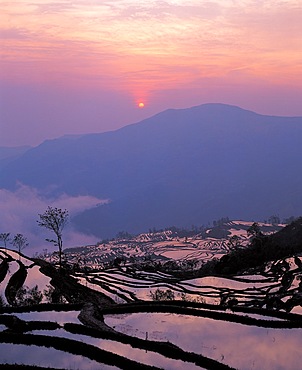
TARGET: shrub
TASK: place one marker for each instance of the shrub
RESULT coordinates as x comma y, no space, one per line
28,297
53,295
162,295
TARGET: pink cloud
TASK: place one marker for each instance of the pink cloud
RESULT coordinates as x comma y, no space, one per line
57,78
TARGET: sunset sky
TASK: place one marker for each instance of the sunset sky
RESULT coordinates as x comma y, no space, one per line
79,66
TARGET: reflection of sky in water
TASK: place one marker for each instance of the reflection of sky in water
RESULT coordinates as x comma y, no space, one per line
219,282
42,356
13,267
209,288
146,357
253,277
297,309
16,256
35,277
60,317
240,346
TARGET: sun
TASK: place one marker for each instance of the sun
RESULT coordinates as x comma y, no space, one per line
141,104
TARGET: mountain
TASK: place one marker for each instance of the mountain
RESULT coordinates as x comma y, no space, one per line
179,167
9,154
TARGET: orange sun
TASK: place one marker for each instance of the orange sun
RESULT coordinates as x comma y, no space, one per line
141,104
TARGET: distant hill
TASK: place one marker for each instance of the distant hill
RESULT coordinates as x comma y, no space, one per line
179,167
175,244
9,154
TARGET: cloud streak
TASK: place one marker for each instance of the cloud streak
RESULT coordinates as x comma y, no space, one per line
19,213
119,37
144,48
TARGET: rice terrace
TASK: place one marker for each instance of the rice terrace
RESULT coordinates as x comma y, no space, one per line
166,136
226,297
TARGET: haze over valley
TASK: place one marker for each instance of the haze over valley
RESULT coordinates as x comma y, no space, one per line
181,167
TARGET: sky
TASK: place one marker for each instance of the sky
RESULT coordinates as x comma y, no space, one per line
81,66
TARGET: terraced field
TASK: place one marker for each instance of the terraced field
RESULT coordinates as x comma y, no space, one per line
122,317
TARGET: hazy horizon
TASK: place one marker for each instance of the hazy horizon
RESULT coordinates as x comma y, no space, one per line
72,68
69,134
77,67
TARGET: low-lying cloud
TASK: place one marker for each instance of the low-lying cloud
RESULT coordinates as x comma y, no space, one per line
20,211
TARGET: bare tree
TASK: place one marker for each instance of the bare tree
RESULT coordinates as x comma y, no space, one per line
5,238
55,219
20,242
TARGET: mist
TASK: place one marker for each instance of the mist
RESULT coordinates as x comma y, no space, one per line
20,211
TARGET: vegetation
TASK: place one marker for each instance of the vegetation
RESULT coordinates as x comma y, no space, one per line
5,237
28,297
162,295
184,300
55,219
124,235
20,242
262,249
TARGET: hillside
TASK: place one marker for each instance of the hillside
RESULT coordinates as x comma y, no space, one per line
133,315
262,249
180,167
9,154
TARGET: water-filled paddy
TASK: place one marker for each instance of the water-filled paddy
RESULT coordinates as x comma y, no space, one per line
46,357
240,346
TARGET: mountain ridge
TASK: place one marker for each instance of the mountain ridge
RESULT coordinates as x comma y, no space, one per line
179,167
9,154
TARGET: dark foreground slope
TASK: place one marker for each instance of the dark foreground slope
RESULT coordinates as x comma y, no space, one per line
196,326
180,167
262,249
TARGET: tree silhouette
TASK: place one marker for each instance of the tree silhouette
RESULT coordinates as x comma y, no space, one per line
5,238
20,242
55,219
